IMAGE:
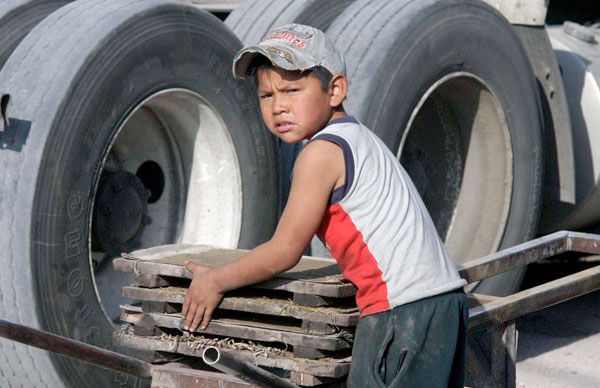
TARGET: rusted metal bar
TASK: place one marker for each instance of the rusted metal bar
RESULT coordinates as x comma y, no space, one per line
584,242
513,306
242,369
529,252
476,299
75,349
517,256
491,357
478,366
509,342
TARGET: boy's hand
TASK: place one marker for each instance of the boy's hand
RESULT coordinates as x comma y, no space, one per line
202,298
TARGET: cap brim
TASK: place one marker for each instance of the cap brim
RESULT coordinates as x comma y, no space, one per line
243,60
245,57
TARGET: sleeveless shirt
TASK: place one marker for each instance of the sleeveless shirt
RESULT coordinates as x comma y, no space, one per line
377,227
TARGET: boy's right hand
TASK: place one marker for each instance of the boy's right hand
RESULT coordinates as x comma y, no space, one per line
202,298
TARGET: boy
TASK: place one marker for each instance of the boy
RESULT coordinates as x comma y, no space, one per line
349,189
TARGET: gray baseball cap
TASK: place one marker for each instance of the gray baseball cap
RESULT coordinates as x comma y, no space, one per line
292,47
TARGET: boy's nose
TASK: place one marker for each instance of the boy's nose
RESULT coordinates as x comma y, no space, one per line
279,105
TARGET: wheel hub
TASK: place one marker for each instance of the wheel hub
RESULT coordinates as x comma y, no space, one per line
121,213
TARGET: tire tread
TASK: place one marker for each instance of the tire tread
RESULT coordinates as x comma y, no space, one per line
38,75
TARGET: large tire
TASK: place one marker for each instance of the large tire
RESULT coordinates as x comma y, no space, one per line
18,17
448,86
252,19
95,88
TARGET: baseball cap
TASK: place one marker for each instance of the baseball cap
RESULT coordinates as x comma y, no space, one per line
292,47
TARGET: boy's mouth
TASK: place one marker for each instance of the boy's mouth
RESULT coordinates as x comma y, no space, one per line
284,126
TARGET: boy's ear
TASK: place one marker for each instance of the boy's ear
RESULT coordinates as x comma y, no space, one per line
338,90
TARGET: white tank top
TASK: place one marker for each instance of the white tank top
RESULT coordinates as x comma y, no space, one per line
377,226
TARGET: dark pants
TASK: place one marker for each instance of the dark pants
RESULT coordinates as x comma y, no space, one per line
419,344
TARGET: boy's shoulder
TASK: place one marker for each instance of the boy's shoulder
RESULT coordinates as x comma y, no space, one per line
347,126
320,164
320,152
349,134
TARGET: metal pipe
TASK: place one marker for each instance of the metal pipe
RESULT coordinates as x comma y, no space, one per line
243,369
75,349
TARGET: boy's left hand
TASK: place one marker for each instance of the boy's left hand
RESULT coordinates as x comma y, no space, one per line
202,298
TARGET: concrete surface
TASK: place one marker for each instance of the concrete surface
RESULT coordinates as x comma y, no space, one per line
560,347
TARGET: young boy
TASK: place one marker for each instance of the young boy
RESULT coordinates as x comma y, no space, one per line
349,189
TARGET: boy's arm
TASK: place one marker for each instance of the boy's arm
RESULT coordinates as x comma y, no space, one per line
319,168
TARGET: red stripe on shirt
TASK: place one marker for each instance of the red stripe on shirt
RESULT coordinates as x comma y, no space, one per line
346,244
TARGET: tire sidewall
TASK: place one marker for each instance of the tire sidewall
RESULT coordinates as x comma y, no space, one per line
426,41
67,168
495,57
17,18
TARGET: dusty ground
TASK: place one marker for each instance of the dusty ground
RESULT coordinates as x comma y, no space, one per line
560,346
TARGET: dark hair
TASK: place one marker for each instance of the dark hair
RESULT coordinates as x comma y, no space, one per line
323,75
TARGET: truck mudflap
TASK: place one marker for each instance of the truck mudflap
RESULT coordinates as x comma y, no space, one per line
4,98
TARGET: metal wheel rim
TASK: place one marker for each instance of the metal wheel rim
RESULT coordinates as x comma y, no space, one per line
461,118
201,202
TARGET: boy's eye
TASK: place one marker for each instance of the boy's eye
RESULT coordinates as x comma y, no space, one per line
264,96
293,90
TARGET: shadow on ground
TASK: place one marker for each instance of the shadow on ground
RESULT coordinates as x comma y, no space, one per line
562,324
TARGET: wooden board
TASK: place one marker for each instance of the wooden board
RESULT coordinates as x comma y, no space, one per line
254,331
296,286
259,305
315,269
330,367
172,375
312,275
307,380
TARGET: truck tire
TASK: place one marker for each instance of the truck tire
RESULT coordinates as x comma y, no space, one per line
126,129
18,17
449,88
252,19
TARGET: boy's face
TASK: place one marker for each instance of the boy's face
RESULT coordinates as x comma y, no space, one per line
293,106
